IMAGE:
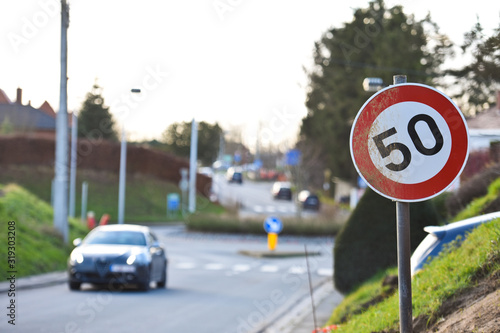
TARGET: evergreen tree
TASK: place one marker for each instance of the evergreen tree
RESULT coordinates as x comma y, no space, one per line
95,122
480,79
177,138
379,42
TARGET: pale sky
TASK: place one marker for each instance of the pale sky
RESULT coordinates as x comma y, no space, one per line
237,62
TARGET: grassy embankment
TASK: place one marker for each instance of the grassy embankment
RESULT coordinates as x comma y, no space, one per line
146,202
35,245
455,271
145,196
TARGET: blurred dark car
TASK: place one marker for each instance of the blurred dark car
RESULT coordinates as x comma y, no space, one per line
282,190
308,200
118,254
433,243
234,176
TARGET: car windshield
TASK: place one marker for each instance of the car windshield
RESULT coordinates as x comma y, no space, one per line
116,237
422,250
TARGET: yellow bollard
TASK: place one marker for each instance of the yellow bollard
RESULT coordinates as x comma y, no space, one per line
272,240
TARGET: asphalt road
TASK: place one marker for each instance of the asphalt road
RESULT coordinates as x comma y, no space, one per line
253,198
211,288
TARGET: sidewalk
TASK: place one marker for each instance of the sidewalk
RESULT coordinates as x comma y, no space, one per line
300,318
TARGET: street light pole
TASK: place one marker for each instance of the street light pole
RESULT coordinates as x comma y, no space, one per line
61,155
192,166
72,178
123,173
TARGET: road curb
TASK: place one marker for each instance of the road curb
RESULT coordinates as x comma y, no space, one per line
288,318
277,254
35,281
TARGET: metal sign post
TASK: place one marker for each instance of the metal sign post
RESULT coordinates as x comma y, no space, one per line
404,254
409,142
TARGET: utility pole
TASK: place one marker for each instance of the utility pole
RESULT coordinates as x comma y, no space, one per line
72,174
192,166
123,172
61,158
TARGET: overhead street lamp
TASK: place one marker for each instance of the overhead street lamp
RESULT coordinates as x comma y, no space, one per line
373,84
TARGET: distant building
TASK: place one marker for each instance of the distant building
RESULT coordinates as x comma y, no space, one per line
18,118
484,128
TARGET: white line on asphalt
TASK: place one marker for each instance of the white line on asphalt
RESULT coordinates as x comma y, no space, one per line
258,209
241,268
214,266
269,268
185,265
325,271
297,270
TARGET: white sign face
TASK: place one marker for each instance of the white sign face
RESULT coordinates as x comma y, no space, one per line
409,142
416,135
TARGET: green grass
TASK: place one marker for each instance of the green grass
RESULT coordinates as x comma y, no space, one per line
445,276
38,247
145,196
456,269
477,205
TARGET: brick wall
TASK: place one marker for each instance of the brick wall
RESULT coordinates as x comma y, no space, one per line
98,155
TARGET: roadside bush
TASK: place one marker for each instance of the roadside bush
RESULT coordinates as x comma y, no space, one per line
368,241
475,187
488,203
231,223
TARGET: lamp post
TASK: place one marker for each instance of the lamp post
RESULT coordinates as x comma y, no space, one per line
61,154
123,172
72,178
192,166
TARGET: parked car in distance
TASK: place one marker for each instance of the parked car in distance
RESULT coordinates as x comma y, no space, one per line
282,190
433,243
308,200
118,254
234,175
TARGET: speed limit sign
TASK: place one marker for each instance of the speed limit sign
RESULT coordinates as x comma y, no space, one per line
409,142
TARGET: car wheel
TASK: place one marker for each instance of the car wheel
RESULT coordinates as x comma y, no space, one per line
144,285
163,282
74,285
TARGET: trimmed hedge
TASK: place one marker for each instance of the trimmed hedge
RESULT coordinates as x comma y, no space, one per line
368,241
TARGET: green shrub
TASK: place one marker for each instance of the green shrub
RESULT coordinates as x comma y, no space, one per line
368,241
231,223
474,188
488,203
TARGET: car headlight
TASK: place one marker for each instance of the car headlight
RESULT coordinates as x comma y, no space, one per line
131,259
76,257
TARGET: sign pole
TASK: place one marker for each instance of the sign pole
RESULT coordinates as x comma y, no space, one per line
409,142
404,254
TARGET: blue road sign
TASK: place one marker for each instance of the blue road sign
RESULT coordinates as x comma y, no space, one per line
273,224
292,157
173,201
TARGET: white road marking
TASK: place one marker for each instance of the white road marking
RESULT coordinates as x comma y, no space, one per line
297,270
241,268
185,265
258,209
270,209
325,272
214,266
269,268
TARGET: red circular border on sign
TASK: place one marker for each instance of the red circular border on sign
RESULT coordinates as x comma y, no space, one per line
409,92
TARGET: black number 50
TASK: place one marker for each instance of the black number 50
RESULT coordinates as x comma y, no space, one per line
385,151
